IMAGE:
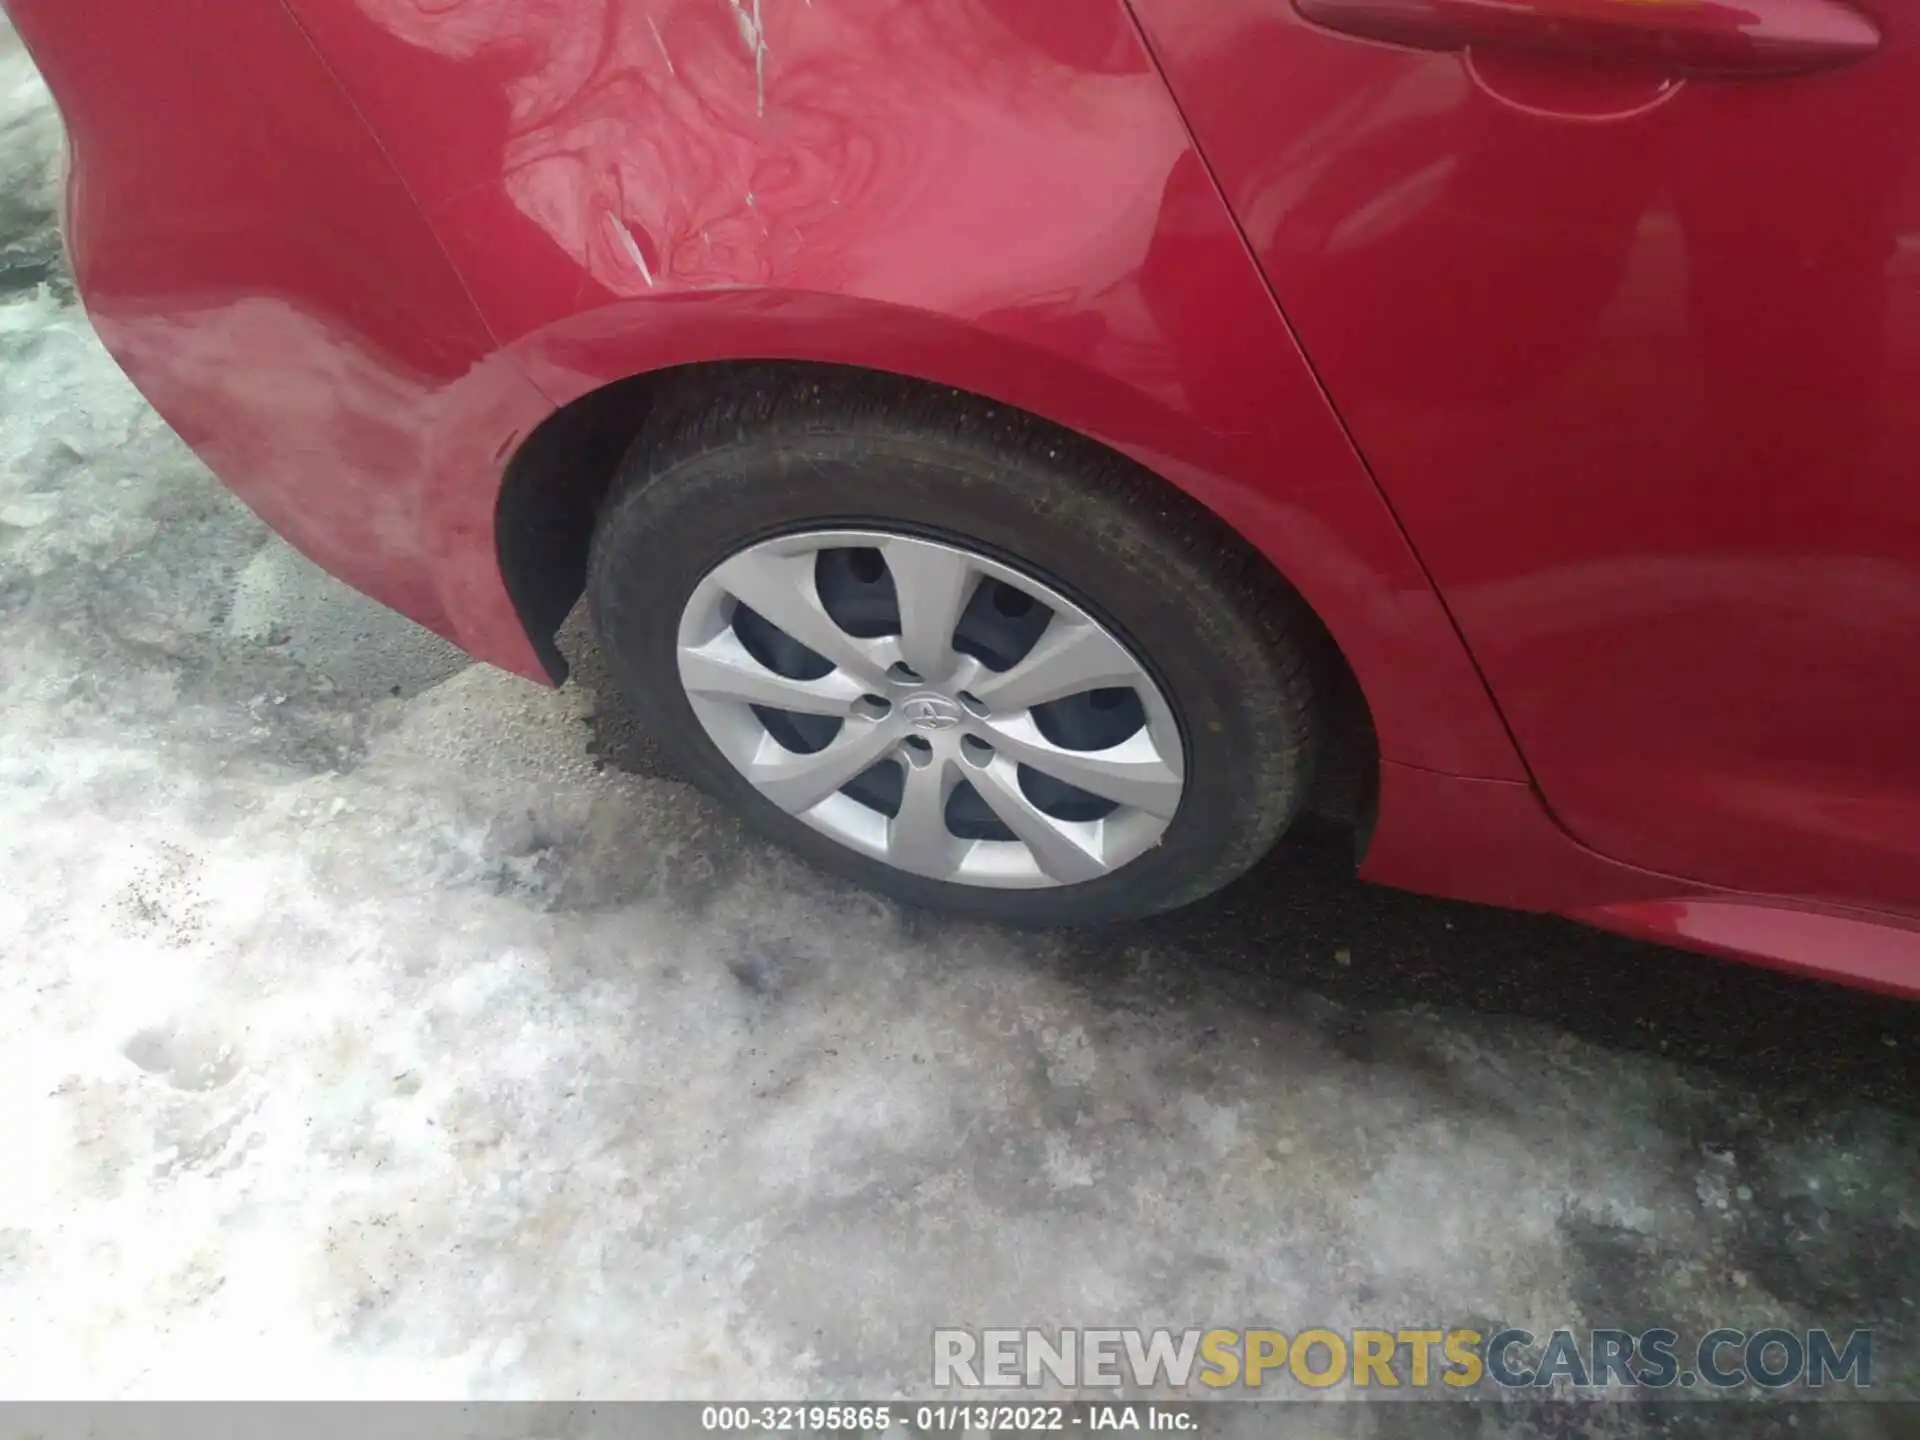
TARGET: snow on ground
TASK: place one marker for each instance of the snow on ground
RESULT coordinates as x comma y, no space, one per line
364,1033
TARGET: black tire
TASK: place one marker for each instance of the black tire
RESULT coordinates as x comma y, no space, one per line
774,450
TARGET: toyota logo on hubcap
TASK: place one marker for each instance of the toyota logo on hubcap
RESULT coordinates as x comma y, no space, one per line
931,712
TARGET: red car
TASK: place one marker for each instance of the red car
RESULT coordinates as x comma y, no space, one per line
988,432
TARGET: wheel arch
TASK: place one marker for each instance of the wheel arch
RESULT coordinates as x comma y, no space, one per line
557,480
553,484
1271,465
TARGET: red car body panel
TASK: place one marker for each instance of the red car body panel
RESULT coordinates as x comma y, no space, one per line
966,193
255,265
1644,386
356,252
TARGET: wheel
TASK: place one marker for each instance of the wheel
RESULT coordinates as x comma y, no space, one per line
947,651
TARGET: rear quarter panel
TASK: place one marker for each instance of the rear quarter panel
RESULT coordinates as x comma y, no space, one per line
250,258
982,193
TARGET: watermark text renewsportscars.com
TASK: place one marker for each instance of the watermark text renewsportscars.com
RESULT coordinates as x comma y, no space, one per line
1318,1358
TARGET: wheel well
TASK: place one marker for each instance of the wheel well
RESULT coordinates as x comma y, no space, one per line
549,497
557,480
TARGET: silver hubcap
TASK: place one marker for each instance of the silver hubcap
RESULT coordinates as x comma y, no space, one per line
932,708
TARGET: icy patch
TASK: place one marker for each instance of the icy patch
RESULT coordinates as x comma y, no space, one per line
301,1146
282,599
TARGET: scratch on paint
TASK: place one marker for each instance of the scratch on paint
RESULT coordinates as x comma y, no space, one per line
759,62
753,34
663,48
632,247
